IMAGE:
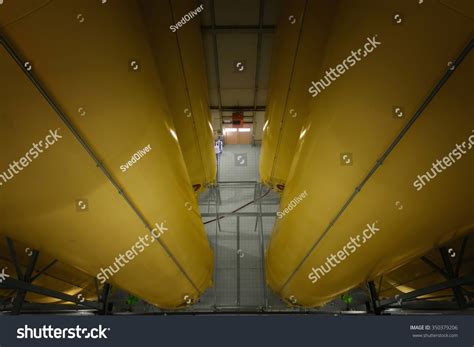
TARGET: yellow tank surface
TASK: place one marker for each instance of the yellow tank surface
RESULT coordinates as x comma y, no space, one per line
58,276
101,167
301,36
182,70
360,219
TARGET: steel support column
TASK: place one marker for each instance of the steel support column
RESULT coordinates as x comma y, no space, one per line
11,283
238,252
374,298
43,270
461,255
13,257
435,267
466,280
104,301
451,275
21,293
262,250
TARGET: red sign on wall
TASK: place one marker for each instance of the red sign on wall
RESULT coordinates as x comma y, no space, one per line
237,120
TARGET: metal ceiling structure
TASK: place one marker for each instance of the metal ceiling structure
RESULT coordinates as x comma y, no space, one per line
228,42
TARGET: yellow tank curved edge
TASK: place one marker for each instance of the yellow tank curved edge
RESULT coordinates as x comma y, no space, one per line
412,222
119,111
184,81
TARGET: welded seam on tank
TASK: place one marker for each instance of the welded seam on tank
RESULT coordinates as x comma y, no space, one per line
26,14
196,134
277,150
91,153
379,162
455,9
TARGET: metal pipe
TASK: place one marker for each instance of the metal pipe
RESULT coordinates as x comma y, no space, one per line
255,194
51,308
211,192
216,60
424,305
387,152
238,209
262,252
238,252
236,182
216,249
91,153
242,214
247,310
257,68
218,218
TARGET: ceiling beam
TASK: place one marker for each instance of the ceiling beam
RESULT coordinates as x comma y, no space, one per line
259,44
238,108
216,58
240,29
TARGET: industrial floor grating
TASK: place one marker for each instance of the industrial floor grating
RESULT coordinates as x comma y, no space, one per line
238,240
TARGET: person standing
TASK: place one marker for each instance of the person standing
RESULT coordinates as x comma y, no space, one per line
217,150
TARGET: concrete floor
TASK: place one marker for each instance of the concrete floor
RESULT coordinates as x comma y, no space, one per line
239,280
